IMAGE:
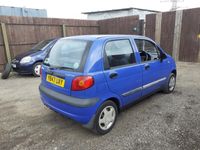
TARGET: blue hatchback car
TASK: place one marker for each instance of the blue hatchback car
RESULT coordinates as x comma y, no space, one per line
90,78
30,61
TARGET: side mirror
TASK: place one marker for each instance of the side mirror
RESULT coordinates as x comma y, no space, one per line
162,56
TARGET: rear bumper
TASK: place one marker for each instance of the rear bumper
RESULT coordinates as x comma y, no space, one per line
80,110
77,102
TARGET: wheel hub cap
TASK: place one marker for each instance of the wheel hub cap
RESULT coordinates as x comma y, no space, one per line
37,69
172,83
107,117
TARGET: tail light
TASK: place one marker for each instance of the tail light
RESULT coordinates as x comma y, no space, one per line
82,82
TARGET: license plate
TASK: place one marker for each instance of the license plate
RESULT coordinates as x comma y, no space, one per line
55,80
14,65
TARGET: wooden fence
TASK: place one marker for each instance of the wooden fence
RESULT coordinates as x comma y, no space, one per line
178,32
121,25
19,34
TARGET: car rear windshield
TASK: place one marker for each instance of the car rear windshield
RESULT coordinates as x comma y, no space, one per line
41,45
67,54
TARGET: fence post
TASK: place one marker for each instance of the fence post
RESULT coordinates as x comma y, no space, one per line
199,48
158,27
141,27
64,30
177,34
5,40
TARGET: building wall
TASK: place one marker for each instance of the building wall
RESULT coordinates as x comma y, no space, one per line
142,14
108,15
115,14
24,12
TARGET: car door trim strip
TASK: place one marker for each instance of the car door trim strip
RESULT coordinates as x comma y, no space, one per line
153,83
132,91
143,87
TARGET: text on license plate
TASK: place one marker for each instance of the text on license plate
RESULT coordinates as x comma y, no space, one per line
55,80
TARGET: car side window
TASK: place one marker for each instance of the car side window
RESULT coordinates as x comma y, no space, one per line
119,53
148,50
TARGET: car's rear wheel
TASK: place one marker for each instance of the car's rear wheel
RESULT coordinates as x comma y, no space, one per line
171,83
105,118
36,69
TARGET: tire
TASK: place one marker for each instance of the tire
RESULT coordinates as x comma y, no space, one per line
104,125
36,69
171,84
6,72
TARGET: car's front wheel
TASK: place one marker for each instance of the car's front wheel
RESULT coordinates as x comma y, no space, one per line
171,83
105,118
36,69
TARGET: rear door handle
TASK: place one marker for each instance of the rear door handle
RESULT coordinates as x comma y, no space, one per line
113,75
146,66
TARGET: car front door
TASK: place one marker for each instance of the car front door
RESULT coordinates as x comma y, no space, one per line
154,69
122,72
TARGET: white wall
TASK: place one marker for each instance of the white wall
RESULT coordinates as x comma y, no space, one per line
107,15
114,14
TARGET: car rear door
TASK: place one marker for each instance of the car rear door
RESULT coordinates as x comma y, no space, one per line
122,72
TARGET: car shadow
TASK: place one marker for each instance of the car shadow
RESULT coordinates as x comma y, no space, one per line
16,75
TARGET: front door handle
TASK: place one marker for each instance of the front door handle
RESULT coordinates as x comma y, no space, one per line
113,75
146,66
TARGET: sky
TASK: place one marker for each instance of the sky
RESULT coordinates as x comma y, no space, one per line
73,8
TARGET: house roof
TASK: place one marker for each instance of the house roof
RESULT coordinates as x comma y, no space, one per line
122,9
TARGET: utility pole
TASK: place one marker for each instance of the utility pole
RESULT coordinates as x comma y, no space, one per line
174,5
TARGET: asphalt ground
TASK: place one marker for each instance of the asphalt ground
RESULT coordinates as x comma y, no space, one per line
162,121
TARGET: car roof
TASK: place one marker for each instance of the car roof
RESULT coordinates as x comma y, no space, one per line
106,36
